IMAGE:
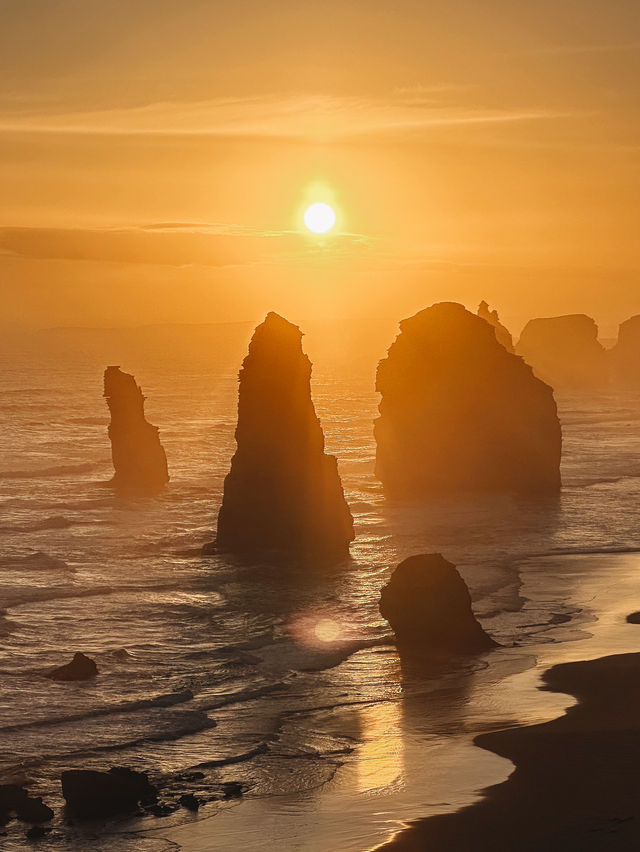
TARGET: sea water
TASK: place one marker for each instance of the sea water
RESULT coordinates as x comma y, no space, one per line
248,673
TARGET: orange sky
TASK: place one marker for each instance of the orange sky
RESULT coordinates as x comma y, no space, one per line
154,157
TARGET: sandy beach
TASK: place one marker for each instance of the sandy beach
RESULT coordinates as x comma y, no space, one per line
575,782
431,756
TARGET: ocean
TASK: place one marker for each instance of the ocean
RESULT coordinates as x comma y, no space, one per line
215,670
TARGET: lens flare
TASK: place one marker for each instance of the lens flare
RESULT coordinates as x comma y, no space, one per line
327,630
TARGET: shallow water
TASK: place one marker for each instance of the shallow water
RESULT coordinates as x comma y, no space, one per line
215,665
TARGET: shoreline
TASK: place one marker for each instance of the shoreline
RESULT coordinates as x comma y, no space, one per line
574,784
405,758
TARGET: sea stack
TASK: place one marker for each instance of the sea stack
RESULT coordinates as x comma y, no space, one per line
625,355
282,496
461,414
138,456
428,606
503,335
565,352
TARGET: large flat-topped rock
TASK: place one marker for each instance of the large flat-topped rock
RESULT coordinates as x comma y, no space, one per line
459,413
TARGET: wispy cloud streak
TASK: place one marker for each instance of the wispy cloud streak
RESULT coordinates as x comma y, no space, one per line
297,117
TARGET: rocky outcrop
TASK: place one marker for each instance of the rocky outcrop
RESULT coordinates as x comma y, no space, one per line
138,456
282,495
503,335
624,358
14,800
91,794
80,668
428,606
461,414
565,352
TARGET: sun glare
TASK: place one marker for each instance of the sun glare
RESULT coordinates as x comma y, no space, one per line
319,218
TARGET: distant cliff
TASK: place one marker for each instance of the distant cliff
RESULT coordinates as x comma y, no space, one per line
503,335
624,358
138,457
282,495
565,352
459,413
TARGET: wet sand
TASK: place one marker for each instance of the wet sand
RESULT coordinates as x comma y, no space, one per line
416,759
575,785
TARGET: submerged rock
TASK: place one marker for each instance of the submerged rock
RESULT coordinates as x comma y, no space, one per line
283,493
461,414
565,351
625,355
80,668
428,606
138,456
90,794
503,335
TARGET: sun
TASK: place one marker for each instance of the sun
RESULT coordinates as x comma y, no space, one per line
320,218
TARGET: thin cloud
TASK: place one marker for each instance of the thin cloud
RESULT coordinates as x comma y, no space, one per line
166,244
568,49
295,117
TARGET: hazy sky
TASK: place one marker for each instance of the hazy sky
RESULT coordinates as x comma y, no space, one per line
155,156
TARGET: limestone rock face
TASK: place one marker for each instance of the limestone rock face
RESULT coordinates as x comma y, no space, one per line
138,456
625,355
565,352
461,414
428,606
283,493
503,335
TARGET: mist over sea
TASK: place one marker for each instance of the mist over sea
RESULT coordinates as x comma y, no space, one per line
208,665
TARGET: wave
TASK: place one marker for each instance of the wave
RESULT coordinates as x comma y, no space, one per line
57,470
190,722
170,699
90,421
55,522
37,561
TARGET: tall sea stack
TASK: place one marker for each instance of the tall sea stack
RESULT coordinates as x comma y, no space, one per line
138,456
282,495
461,414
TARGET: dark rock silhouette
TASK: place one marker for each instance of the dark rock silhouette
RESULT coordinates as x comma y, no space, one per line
624,357
14,799
232,789
91,794
503,335
283,493
80,668
138,456
461,414
428,606
190,802
37,832
565,351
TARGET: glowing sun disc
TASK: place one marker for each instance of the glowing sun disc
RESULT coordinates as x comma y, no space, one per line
319,218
